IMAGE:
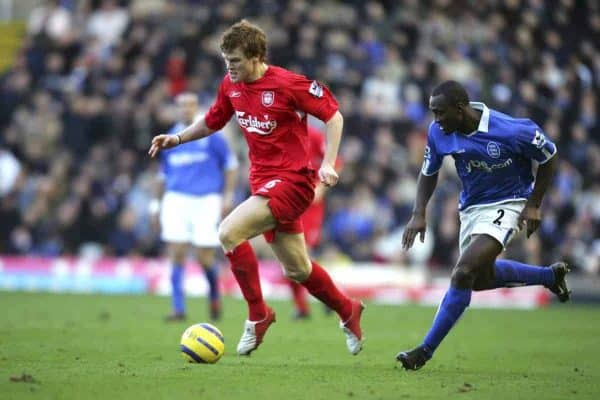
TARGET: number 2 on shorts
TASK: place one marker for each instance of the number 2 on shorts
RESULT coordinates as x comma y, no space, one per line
497,220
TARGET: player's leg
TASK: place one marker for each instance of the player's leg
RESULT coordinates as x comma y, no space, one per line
301,307
291,251
510,273
177,254
310,220
501,222
206,217
206,257
175,216
478,258
247,220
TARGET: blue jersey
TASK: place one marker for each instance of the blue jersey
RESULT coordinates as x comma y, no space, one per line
197,167
494,163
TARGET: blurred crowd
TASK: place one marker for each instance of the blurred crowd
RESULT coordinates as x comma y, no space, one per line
95,81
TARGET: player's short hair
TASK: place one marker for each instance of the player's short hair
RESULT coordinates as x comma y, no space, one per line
453,92
248,37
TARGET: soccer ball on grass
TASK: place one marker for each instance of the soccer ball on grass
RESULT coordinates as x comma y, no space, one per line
202,343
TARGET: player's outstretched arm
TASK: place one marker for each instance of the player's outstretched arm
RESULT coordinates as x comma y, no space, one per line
334,126
196,130
417,223
531,214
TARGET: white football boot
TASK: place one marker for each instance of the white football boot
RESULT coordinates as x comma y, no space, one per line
351,328
254,332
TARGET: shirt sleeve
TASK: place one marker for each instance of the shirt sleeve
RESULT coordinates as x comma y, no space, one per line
432,160
221,111
313,98
227,158
534,144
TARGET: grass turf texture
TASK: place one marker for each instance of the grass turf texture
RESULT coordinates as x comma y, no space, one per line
118,347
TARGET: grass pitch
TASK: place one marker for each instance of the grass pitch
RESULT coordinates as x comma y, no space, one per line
118,347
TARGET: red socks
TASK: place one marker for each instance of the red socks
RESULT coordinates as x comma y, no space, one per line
299,296
320,285
245,269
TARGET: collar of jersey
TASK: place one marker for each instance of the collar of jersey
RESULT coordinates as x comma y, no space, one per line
484,122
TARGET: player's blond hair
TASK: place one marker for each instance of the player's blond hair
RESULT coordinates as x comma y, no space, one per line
248,37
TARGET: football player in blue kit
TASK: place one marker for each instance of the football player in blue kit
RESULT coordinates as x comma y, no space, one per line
198,181
494,155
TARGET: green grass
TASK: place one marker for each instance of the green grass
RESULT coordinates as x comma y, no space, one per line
117,347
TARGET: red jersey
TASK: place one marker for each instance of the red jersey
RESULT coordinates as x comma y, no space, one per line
272,114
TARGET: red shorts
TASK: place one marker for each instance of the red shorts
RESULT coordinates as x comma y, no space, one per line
289,196
312,219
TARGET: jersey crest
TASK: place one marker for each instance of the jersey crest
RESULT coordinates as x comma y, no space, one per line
493,149
268,98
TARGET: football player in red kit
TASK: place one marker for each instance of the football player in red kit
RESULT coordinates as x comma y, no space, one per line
271,106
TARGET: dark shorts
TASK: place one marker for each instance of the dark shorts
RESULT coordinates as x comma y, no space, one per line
289,197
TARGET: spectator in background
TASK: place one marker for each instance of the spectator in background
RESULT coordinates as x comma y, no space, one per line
108,23
11,174
50,19
10,170
123,240
517,57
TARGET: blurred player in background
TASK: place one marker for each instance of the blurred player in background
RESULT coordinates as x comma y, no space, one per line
271,106
198,180
494,155
312,221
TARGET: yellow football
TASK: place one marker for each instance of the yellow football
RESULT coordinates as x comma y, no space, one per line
202,343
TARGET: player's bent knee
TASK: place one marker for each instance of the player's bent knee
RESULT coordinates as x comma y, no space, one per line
227,236
463,276
297,274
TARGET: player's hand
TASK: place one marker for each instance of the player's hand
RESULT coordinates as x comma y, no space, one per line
162,142
415,225
530,216
327,174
